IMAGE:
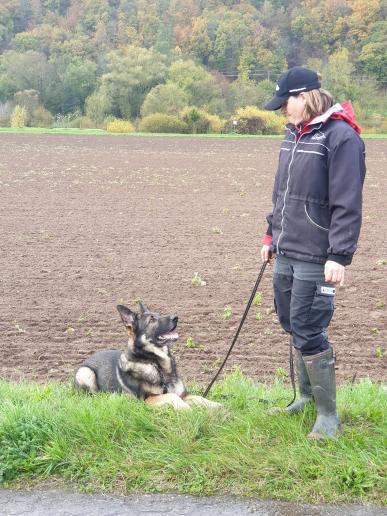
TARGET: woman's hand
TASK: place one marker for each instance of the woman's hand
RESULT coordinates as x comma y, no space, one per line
334,273
267,254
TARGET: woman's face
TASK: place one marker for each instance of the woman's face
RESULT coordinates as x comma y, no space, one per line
293,109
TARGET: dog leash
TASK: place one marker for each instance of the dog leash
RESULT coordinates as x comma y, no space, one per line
239,328
291,369
291,359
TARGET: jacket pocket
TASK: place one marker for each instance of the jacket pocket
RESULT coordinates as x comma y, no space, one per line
311,219
322,308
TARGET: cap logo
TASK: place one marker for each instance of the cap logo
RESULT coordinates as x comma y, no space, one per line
297,89
277,88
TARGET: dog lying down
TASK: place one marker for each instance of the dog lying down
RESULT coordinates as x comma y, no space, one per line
146,370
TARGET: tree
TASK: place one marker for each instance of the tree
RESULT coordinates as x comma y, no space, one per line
75,80
98,105
338,76
133,72
164,98
199,43
249,93
28,71
198,84
373,56
230,39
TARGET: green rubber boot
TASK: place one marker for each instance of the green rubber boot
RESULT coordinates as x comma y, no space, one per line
321,371
304,386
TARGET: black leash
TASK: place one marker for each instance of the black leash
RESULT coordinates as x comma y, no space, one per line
291,359
291,369
239,329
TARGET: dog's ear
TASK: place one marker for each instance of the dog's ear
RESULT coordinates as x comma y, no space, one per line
128,317
143,308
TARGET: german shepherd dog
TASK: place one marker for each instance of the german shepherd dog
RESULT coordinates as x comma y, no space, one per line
146,369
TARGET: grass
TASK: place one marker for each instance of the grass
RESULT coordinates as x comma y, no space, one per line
64,131
114,444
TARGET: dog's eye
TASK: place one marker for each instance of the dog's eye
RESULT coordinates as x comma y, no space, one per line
152,318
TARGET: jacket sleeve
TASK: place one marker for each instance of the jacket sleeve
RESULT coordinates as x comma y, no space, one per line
346,169
269,219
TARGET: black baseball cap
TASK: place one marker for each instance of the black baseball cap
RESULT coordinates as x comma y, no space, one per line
291,83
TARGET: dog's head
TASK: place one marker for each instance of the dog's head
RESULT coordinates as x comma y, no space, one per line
147,329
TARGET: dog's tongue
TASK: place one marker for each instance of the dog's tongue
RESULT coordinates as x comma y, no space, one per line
169,336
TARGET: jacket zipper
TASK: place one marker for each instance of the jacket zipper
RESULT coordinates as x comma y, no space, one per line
287,183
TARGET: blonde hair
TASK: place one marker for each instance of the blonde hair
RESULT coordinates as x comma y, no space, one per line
317,102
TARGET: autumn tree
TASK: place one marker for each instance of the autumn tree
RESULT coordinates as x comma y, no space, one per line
133,72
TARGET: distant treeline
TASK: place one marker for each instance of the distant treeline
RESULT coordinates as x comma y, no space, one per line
94,60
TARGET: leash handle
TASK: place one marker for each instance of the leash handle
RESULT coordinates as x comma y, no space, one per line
239,328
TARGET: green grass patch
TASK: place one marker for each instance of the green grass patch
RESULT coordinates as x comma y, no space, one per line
111,443
101,132
62,131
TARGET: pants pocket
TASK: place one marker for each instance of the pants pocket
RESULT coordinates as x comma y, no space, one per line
322,308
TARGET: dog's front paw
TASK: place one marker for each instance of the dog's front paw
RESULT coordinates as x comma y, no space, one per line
167,399
202,402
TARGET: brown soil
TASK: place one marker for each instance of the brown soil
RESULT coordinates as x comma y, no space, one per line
92,221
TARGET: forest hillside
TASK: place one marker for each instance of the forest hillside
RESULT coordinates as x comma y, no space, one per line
186,65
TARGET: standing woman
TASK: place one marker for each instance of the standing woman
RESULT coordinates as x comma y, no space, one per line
313,229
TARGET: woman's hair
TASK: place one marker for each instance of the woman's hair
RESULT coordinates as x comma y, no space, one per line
317,102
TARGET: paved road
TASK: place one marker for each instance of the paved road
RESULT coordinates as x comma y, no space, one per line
66,503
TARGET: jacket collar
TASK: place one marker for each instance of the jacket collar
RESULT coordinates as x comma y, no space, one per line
336,108
338,111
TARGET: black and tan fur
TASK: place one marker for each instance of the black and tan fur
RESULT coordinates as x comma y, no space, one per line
146,369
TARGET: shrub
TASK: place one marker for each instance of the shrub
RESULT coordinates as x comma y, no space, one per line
82,122
199,121
251,120
107,121
28,99
161,123
41,117
68,120
195,119
119,126
19,117
216,123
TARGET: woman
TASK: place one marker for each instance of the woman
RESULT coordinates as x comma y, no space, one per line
313,229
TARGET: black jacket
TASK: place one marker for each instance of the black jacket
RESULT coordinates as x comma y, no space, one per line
317,197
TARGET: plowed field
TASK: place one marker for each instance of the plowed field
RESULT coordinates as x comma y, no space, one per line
91,221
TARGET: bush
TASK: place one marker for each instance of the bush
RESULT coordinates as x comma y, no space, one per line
67,121
119,126
195,119
19,117
82,122
29,100
251,120
199,121
216,123
161,123
41,117
107,121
